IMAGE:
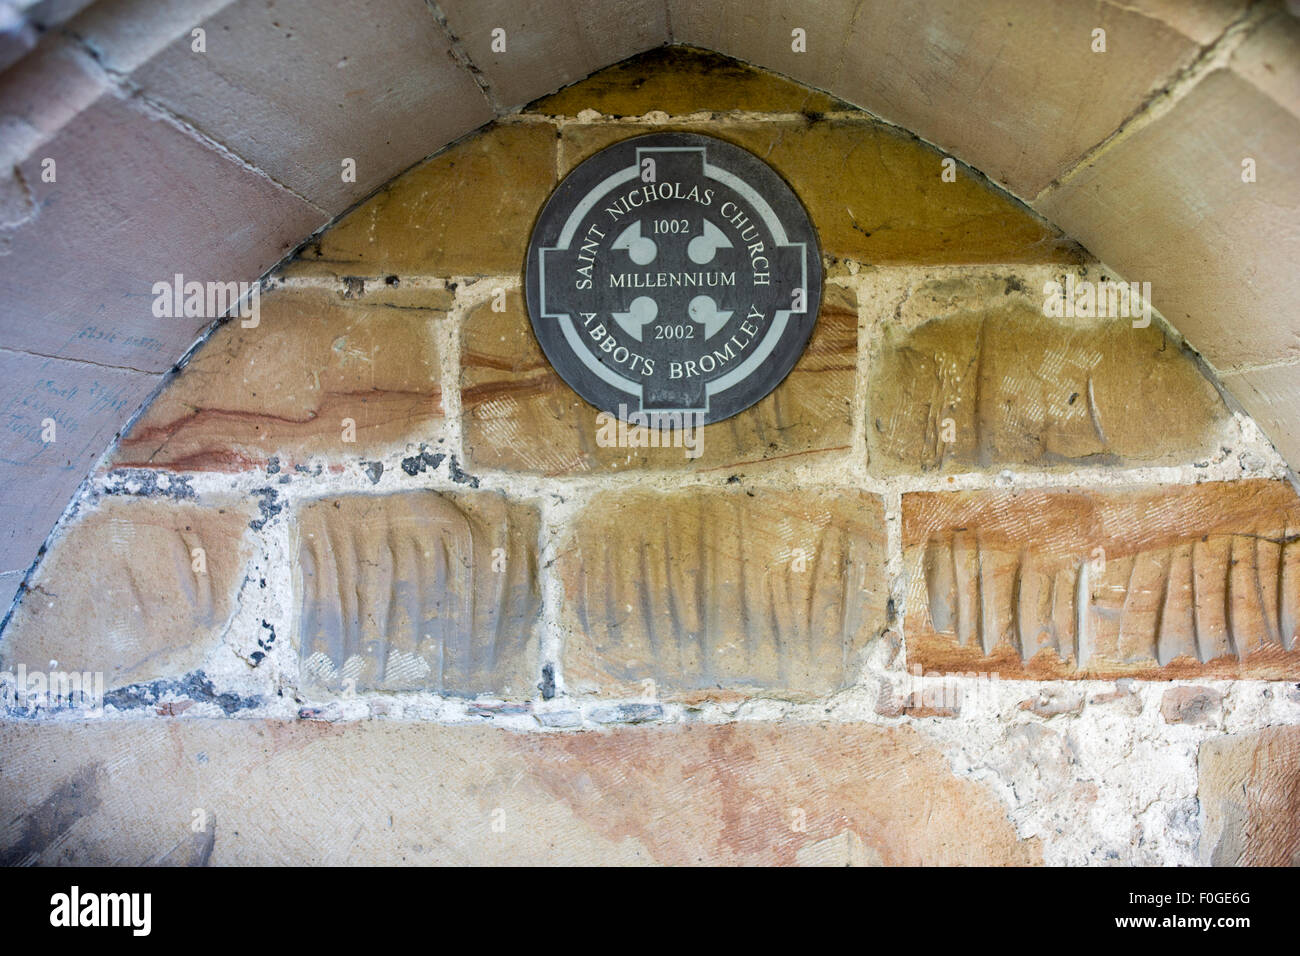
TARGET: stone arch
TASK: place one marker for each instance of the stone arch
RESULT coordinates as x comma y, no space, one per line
463,429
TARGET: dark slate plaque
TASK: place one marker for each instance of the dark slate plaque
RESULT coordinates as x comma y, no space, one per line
673,273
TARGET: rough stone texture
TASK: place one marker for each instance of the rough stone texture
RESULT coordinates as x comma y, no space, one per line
419,591
710,590
283,388
295,87
87,405
15,43
874,192
1190,705
1250,799
127,33
520,416
467,211
946,70
1266,57
42,93
678,80
9,581
1193,581
1271,396
386,792
1203,238
1021,389
1202,20
123,214
548,45
846,849
118,591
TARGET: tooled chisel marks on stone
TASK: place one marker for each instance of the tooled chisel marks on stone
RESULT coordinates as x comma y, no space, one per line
1082,602
424,591
713,593
194,849
74,799
1162,652
1095,414
1217,587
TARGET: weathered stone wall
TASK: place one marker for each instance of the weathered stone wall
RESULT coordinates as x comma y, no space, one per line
972,585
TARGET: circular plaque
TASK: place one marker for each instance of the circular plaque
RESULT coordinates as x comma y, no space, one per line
673,273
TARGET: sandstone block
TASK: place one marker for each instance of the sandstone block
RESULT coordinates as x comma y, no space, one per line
295,88
875,194
973,376
123,214
467,211
1250,799
1037,54
137,589
1158,583
1271,396
542,48
286,388
712,590
85,406
1195,228
309,793
418,591
519,415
